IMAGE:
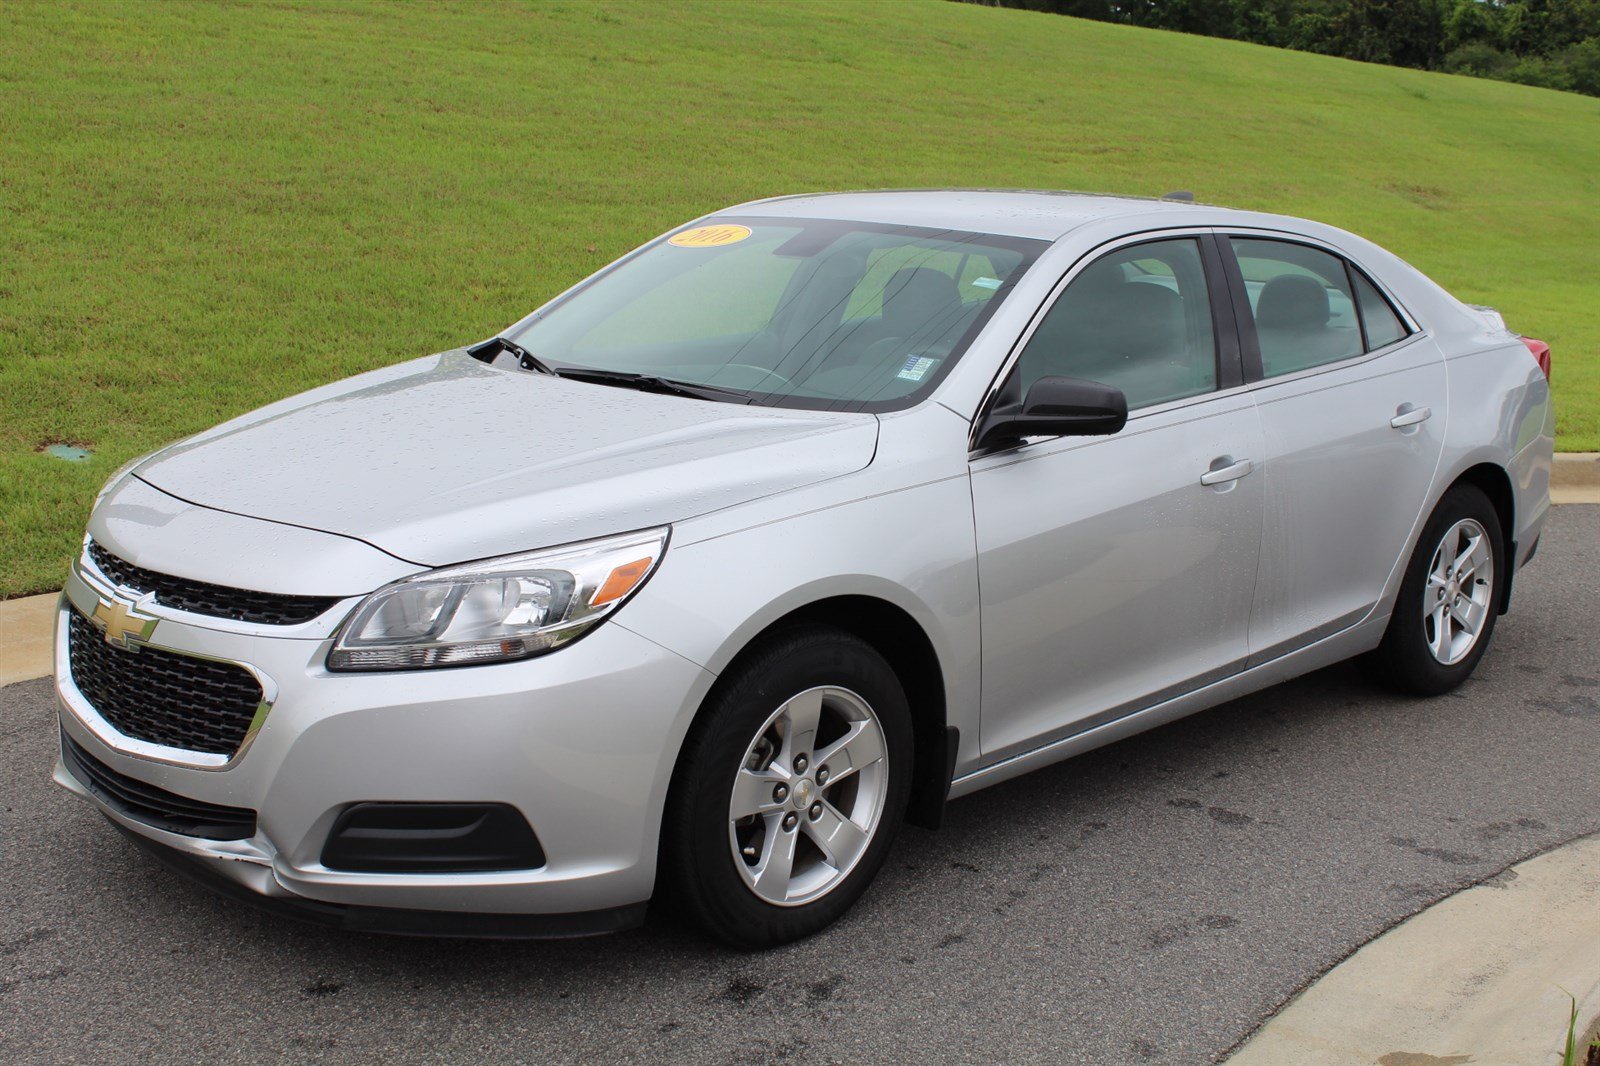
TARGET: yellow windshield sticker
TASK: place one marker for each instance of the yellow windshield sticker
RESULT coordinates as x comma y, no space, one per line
709,236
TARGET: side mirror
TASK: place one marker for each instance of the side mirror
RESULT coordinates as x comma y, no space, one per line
1057,407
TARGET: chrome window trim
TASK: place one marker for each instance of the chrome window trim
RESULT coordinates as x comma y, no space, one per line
1083,262
1262,233
1264,383
1342,364
72,698
1186,401
1417,332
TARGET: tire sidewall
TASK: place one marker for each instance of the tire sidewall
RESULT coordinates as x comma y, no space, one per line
698,857
1405,645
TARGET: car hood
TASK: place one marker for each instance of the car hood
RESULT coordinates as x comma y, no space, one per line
446,459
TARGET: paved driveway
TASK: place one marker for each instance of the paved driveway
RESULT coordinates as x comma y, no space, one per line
1152,901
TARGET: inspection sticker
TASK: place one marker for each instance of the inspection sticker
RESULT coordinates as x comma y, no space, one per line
985,283
915,367
710,236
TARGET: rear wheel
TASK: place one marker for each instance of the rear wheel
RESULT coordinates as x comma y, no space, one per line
1445,615
789,790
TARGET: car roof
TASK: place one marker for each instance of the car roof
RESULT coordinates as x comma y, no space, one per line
1038,214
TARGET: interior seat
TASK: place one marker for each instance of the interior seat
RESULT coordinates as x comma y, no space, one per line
1101,329
1292,322
920,305
1149,322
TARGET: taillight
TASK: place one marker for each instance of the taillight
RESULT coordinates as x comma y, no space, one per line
1541,354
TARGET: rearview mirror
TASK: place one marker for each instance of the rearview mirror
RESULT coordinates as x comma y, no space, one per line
1057,407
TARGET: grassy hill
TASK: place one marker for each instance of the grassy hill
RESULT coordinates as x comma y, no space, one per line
205,208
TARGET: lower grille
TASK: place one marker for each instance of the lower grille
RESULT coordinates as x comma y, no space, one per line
154,806
160,696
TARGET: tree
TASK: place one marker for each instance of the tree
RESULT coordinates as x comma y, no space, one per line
1554,43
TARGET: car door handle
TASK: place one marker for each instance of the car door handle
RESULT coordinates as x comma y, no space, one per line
1410,415
1232,470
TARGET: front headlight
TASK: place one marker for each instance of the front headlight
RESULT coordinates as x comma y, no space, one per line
497,609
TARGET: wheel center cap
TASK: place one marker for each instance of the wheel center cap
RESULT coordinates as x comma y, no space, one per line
803,790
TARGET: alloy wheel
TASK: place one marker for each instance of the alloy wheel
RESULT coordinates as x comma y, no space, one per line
1459,595
808,796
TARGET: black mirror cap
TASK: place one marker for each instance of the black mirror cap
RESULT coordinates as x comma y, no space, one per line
1058,407
1077,399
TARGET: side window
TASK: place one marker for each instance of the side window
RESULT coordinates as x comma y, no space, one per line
1138,319
1300,296
1383,326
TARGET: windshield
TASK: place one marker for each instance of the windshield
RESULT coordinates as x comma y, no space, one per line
791,312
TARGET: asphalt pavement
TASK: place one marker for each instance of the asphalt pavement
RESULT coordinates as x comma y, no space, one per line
1153,901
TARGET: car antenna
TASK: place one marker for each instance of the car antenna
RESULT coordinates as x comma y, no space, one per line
1182,194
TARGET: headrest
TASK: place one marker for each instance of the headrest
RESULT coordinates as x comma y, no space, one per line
917,298
1293,301
1149,317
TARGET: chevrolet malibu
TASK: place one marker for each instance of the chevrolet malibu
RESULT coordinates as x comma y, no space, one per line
782,530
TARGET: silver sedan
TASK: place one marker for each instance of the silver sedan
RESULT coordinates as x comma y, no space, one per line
784,529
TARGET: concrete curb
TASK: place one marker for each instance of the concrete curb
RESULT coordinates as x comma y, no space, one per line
25,637
1481,977
1575,478
1576,470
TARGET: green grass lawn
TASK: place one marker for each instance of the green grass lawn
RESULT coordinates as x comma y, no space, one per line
205,208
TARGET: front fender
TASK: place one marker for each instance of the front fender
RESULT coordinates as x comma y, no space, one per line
912,548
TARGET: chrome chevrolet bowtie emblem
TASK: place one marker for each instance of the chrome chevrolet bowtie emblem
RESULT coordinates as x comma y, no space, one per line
122,622
802,793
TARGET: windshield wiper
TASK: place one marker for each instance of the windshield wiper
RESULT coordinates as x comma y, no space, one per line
651,383
495,345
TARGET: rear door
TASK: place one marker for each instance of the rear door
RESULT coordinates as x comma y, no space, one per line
1111,575
1352,400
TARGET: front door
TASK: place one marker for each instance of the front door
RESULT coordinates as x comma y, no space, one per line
1117,571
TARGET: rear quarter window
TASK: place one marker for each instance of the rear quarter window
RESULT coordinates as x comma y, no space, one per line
1382,324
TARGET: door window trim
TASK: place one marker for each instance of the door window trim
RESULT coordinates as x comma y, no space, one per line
1231,376
1250,346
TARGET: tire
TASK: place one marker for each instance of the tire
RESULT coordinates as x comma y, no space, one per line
834,823
1413,657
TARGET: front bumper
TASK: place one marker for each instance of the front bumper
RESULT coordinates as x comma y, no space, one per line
393,920
581,741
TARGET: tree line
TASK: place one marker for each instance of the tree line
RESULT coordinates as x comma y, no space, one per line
1551,43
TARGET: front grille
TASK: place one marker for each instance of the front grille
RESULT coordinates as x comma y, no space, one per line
219,601
155,806
160,696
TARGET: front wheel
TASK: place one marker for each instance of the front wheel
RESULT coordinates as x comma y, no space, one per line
1449,600
790,789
